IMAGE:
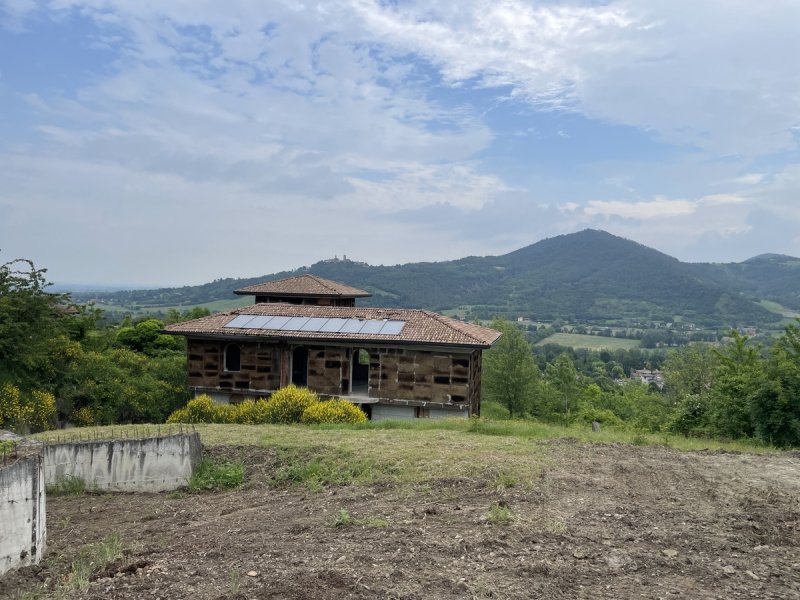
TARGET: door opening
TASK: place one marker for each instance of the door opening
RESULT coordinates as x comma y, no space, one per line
300,367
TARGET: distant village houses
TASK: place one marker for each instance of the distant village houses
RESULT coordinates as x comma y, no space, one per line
648,376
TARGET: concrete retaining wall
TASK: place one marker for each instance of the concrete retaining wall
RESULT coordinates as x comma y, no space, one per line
143,465
23,529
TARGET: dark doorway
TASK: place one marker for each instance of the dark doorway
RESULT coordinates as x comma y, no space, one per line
360,378
300,367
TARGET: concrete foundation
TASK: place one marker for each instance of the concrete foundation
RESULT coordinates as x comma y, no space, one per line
23,529
382,412
142,465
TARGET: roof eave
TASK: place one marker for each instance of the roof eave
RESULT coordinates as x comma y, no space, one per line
243,292
267,338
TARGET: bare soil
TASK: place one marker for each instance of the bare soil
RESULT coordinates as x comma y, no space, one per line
600,521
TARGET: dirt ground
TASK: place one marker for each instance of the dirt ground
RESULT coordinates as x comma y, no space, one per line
600,521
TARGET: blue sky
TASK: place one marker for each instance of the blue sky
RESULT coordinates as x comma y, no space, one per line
182,141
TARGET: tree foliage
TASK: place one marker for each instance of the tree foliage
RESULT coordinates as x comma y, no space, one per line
510,375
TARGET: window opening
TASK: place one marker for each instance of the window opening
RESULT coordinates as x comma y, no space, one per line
233,358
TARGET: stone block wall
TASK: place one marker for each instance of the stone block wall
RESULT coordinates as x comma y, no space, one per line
408,374
329,370
411,374
260,366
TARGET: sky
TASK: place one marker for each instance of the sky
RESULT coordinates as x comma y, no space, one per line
175,142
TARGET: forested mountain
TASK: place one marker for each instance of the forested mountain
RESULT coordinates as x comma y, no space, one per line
586,276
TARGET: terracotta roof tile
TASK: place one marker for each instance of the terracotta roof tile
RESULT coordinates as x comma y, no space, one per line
421,326
304,285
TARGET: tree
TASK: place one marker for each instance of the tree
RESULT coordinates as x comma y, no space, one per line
564,385
146,337
29,320
739,374
510,374
775,407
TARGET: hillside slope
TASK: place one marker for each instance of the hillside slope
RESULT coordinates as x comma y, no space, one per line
589,275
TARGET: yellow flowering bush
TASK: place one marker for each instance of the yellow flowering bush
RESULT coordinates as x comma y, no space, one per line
83,417
35,411
248,412
333,411
9,405
287,404
42,410
201,409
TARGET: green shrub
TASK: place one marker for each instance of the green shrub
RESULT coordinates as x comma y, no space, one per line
603,416
333,411
201,409
288,404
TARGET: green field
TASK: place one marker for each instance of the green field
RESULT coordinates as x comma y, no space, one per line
590,342
412,448
779,309
216,306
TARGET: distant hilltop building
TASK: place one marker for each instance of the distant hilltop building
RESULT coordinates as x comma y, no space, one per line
307,330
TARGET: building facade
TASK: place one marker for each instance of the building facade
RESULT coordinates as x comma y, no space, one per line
394,363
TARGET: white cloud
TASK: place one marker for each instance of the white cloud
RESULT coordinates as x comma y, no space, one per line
712,75
642,211
749,179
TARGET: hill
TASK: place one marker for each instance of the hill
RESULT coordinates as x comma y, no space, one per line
586,276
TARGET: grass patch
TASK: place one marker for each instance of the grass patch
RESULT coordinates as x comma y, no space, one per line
343,519
504,480
499,514
494,411
91,559
320,466
212,476
69,486
590,342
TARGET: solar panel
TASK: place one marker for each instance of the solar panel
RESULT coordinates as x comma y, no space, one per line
258,323
352,326
317,324
372,326
332,325
392,328
239,321
293,324
314,324
278,322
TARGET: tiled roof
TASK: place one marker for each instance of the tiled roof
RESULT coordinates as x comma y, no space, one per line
421,326
304,285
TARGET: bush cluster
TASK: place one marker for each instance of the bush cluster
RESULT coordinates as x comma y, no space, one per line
288,405
333,411
34,411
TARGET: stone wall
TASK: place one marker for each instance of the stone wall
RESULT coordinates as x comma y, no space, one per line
425,375
260,367
23,530
409,374
149,465
329,370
